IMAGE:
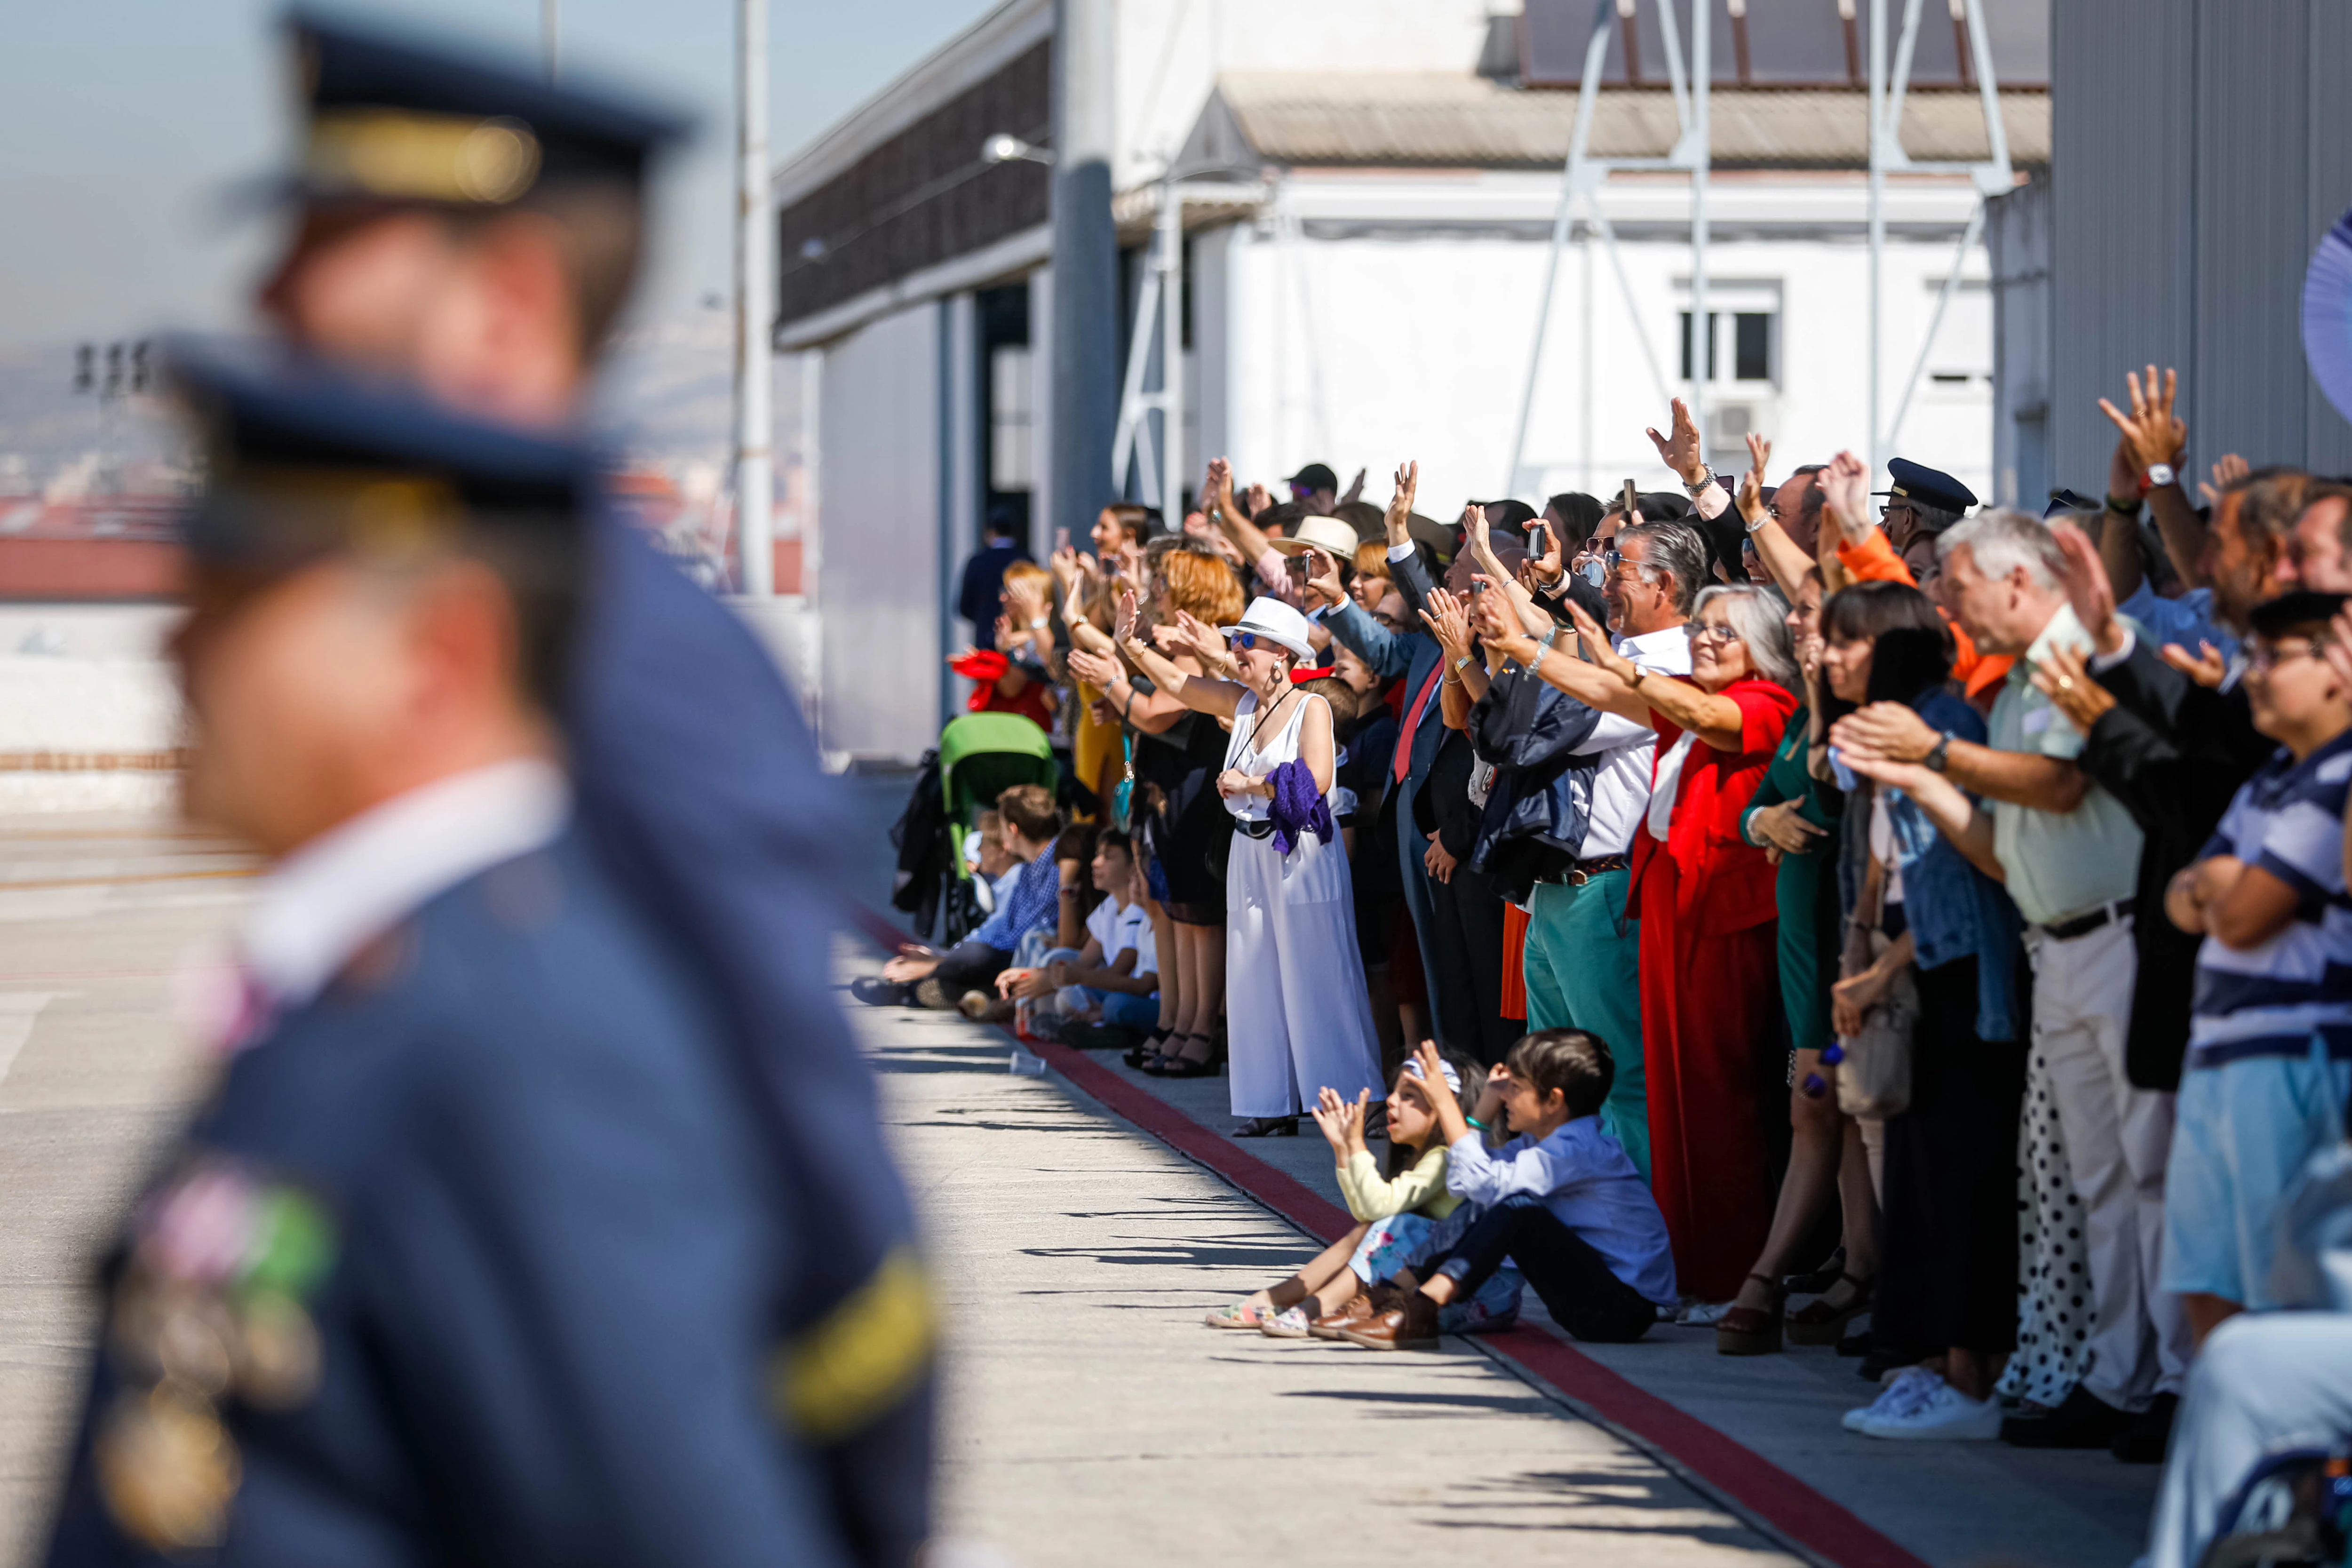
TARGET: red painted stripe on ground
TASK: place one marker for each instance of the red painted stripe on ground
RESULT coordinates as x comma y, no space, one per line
1827,1528
1757,1484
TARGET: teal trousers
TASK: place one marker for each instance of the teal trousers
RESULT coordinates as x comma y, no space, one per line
1584,971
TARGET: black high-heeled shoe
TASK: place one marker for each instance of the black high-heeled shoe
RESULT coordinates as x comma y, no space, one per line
1154,1045
1268,1127
1208,1066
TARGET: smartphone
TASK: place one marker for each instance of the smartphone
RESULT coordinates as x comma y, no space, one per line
1061,540
1539,538
1633,502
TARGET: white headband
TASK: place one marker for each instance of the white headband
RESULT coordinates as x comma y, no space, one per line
1452,1079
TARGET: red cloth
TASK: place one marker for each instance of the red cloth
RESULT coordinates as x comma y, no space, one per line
1030,704
1403,763
1514,962
1706,890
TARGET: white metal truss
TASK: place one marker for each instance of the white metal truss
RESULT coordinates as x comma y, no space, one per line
1582,176
1160,306
1581,180
1990,177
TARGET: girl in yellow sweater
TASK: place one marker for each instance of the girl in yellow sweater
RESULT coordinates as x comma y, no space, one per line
1414,1183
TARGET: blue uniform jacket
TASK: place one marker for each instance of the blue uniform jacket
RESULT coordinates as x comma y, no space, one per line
698,785
478,1256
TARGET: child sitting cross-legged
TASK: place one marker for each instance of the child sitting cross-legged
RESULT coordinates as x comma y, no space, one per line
1391,1207
1105,992
1561,1200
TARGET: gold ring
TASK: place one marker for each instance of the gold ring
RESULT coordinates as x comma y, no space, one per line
2066,683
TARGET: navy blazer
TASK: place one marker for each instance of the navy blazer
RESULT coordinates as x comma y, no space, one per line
1390,654
699,787
478,1256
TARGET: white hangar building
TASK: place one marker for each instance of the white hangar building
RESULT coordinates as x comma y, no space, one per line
1367,191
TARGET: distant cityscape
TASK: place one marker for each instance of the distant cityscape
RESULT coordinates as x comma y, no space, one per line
90,480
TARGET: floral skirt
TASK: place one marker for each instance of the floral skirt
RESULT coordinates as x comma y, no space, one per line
1410,1240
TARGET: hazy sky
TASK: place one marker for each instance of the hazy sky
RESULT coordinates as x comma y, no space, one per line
120,119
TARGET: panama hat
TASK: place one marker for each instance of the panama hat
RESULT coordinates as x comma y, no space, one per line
1329,534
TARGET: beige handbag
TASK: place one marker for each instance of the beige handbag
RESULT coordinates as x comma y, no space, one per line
1873,1069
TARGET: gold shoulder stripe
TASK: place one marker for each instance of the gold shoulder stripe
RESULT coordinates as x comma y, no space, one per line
863,1357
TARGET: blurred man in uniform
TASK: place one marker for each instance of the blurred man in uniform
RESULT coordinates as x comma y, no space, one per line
475,231
473,1255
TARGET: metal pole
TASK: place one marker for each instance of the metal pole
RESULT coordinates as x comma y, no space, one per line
548,33
1877,210
755,281
1596,53
1085,340
1172,353
1702,323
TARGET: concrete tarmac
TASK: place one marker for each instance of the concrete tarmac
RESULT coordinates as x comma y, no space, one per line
1091,1415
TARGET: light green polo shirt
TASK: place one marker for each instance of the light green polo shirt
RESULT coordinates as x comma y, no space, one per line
2060,864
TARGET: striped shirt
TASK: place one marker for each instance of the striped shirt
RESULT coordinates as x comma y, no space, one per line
2288,819
1034,906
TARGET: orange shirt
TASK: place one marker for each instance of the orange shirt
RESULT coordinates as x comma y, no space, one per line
1875,561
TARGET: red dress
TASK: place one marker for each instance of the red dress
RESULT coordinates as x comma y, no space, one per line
1710,998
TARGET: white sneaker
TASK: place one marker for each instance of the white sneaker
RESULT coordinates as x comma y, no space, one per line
1908,1388
1945,1415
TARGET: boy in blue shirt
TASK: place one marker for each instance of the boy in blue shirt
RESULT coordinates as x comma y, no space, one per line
1561,1200
2270,1034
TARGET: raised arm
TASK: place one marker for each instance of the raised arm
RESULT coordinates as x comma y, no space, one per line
1217,501
1555,667
2153,434
1198,692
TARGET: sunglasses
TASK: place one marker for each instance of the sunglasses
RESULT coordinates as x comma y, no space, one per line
2267,657
1242,642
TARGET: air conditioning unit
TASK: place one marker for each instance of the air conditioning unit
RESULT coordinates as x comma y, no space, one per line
1728,427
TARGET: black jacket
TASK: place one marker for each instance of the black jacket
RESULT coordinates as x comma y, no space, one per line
1533,825
2174,753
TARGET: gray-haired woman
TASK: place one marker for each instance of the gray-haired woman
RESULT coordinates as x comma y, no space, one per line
1710,981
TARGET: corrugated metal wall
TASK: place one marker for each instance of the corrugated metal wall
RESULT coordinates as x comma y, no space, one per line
2200,149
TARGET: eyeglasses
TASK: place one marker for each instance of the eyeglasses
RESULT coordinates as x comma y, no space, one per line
1700,631
2267,656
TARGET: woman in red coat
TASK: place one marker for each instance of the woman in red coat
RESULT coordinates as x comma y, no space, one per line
1710,978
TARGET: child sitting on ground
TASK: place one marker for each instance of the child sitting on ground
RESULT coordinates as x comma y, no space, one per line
1113,979
1390,1208
1561,1200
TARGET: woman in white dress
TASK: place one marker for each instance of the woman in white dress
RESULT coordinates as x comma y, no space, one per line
1298,1018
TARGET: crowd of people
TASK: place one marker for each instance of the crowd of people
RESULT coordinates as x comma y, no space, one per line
1934,912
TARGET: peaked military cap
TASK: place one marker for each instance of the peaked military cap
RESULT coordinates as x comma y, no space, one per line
398,119
305,460
2300,607
1928,487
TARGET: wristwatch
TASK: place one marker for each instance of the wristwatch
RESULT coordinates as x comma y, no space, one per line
1041,623
2161,474
1939,754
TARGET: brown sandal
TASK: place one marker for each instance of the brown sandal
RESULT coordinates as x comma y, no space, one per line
1819,1323
1752,1330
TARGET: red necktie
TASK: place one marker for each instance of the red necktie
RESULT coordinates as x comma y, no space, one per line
1412,720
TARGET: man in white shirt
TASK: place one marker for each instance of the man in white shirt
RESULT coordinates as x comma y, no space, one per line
1582,944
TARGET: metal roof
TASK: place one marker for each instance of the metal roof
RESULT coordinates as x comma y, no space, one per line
1453,119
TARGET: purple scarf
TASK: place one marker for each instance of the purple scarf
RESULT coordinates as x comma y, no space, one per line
1297,806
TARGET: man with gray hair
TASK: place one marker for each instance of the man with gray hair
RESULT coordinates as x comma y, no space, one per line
2069,853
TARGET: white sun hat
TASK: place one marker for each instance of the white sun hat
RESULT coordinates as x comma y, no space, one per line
1278,623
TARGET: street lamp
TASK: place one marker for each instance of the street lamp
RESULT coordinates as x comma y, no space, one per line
1003,148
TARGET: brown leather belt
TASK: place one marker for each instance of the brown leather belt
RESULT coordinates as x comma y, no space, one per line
1583,871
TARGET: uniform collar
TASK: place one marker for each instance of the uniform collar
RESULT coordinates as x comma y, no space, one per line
349,885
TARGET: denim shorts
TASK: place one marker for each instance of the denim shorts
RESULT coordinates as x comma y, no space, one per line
2240,1132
